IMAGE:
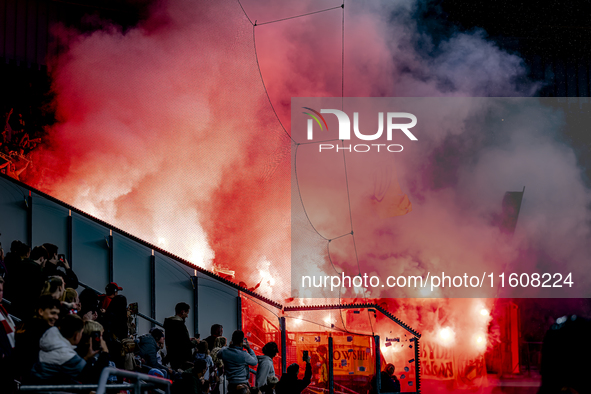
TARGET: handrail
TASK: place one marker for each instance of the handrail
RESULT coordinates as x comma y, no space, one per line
148,318
72,387
139,314
89,287
13,317
138,377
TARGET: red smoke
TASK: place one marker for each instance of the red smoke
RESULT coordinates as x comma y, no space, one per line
166,131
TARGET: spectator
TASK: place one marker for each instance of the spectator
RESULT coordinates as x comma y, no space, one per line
4,163
17,123
12,258
265,367
54,286
54,263
24,252
236,361
565,361
216,331
70,301
192,380
7,127
70,296
2,264
149,346
111,290
290,384
115,323
178,342
390,383
58,361
88,314
115,319
93,334
128,350
93,331
26,282
131,328
29,334
269,388
203,354
7,332
219,343
14,172
7,327
322,353
89,303
221,386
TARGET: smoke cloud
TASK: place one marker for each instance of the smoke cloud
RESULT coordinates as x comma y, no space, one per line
165,131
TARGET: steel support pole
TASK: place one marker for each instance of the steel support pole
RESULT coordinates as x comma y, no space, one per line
330,366
69,240
29,204
283,344
239,312
153,286
195,306
111,258
378,364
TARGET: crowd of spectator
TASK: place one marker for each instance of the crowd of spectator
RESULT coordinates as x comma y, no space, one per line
16,144
51,334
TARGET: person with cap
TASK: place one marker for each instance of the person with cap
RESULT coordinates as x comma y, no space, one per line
111,290
290,384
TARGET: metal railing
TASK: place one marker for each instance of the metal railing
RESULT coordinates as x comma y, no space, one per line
48,388
13,317
142,381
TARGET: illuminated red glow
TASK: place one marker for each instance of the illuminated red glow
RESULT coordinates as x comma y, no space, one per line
166,132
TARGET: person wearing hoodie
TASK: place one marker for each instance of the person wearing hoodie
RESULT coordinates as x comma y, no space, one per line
179,345
265,366
236,362
29,333
149,345
290,384
58,361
